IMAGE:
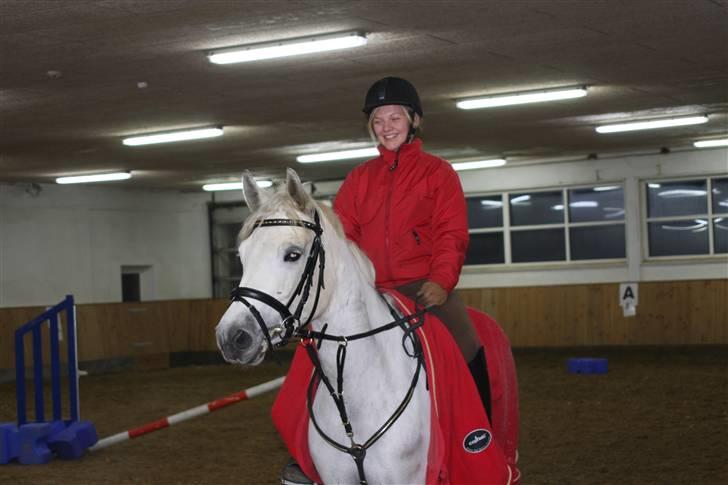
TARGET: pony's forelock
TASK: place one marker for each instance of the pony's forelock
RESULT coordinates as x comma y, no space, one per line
281,202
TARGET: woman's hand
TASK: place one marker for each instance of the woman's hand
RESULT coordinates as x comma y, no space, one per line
431,294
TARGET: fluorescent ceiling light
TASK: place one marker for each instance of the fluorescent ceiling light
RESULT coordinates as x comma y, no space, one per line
100,177
721,142
606,188
613,212
508,99
341,155
171,136
285,48
679,193
523,199
496,162
653,124
234,186
698,227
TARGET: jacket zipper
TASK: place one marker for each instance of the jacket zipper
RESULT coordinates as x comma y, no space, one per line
387,210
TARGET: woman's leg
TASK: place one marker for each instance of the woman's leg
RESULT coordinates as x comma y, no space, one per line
455,316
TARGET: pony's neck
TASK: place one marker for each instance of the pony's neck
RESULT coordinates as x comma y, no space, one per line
355,305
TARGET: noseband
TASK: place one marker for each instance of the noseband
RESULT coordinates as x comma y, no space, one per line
290,320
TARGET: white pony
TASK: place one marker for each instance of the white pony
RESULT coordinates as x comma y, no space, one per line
282,259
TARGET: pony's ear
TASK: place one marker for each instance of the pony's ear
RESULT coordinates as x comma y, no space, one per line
296,190
251,193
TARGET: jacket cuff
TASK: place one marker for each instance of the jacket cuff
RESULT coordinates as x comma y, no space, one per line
446,283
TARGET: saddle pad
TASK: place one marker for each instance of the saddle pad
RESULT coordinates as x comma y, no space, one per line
462,449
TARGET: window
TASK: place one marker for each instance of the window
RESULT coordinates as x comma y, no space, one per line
596,223
537,222
687,217
536,226
485,217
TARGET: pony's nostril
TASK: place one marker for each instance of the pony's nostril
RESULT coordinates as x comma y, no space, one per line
243,340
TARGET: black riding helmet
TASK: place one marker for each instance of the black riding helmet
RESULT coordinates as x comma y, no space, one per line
392,90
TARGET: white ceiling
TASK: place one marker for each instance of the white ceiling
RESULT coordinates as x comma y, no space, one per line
642,59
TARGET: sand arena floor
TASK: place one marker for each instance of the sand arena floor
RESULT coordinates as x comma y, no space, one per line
659,416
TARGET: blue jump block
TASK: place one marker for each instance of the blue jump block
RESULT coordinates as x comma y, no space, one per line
8,442
587,366
32,443
72,442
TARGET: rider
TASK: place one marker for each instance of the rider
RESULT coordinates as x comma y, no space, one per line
406,210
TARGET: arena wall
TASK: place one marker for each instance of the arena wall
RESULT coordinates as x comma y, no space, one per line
154,334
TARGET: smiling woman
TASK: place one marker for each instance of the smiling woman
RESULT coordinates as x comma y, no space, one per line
406,210
419,248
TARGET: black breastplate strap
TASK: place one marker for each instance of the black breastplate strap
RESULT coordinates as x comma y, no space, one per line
358,451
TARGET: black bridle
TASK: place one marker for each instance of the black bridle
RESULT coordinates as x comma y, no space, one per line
291,326
290,321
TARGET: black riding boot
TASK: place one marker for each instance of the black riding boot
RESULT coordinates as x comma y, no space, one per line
479,370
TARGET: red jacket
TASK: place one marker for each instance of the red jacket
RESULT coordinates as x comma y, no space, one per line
407,212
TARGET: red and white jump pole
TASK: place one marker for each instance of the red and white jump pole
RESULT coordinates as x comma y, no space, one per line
211,406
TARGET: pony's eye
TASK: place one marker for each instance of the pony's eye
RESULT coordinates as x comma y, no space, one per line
292,256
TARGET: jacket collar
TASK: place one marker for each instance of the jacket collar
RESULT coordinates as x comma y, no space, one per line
407,152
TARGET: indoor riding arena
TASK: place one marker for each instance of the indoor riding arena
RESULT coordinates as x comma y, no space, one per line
602,254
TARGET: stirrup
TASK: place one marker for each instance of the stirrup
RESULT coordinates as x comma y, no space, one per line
291,474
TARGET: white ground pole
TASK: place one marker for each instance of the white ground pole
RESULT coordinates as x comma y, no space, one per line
189,414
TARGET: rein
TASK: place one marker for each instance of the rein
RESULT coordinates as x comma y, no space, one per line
291,326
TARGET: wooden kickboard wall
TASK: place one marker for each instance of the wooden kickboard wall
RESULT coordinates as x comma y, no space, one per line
669,313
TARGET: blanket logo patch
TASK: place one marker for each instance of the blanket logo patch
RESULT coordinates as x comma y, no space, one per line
477,440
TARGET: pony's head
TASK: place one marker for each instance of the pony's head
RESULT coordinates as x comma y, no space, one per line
282,256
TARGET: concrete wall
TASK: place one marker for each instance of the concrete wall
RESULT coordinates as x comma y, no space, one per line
75,239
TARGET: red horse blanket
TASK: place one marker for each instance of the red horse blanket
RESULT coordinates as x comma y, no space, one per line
465,448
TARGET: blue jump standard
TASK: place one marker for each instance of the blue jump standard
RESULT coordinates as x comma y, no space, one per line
38,442
587,366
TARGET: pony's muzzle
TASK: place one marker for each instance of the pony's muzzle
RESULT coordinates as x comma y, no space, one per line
237,345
